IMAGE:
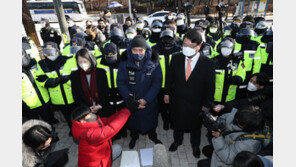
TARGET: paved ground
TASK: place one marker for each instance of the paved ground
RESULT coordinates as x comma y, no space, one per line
183,157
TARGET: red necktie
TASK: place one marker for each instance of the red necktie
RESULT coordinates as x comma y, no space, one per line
188,69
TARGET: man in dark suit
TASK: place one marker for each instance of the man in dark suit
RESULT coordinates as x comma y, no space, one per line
190,87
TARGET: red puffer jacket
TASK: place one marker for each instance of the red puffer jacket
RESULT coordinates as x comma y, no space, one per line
95,146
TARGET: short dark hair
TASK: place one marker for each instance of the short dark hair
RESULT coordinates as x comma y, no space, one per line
92,27
36,136
261,79
249,18
102,19
250,118
193,36
80,112
129,19
84,52
247,159
88,21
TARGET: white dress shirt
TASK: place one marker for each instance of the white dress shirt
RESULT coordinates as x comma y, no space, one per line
193,62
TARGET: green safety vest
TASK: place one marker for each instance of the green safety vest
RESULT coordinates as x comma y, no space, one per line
29,94
261,52
162,66
219,83
251,60
55,93
150,43
107,69
257,39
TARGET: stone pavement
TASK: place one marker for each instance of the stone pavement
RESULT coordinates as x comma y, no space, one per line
183,157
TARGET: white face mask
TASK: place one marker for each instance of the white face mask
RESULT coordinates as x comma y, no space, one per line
85,66
187,51
42,25
156,30
213,30
130,36
140,25
180,22
170,17
70,23
226,33
226,51
53,58
251,87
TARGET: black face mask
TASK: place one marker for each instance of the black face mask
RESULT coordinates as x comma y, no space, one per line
260,31
116,39
243,39
101,27
167,40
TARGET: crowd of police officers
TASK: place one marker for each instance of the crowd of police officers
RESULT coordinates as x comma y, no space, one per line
242,53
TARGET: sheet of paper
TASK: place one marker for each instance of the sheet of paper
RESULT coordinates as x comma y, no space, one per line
130,159
146,156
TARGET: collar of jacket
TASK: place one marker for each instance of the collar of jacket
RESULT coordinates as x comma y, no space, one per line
29,158
147,63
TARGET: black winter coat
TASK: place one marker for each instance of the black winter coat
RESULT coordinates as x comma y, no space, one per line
188,97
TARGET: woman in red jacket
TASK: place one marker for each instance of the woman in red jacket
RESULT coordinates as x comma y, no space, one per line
94,135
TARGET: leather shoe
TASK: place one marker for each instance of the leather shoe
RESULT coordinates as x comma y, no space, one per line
174,146
196,151
132,143
156,141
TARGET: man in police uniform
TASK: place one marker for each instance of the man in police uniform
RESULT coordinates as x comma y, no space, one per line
53,74
230,72
109,61
155,29
165,48
49,34
35,98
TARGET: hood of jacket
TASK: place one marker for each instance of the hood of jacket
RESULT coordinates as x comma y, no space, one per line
78,128
29,158
150,61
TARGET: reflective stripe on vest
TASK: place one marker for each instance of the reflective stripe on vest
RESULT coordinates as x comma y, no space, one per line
248,59
107,69
150,43
56,92
29,94
162,65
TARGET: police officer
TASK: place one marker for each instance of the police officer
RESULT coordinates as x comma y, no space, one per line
109,62
49,34
30,47
73,28
140,26
53,74
213,36
247,49
118,38
206,48
130,33
181,26
260,28
35,97
155,29
230,71
165,48
172,26
265,51
75,45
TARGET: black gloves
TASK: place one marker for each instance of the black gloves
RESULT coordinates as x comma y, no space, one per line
53,82
64,79
132,104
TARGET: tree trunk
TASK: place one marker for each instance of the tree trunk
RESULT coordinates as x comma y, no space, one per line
29,24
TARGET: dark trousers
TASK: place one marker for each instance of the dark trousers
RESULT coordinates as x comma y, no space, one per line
44,112
194,136
151,134
204,163
163,108
66,111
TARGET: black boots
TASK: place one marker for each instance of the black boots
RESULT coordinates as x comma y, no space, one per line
196,151
174,146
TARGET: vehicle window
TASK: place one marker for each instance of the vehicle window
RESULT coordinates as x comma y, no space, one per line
159,14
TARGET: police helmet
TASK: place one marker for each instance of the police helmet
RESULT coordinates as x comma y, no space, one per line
246,24
246,32
156,24
146,33
81,35
237,19
180,16
202,23
130,30
226,42
167,33
268,36
116,32
261,25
